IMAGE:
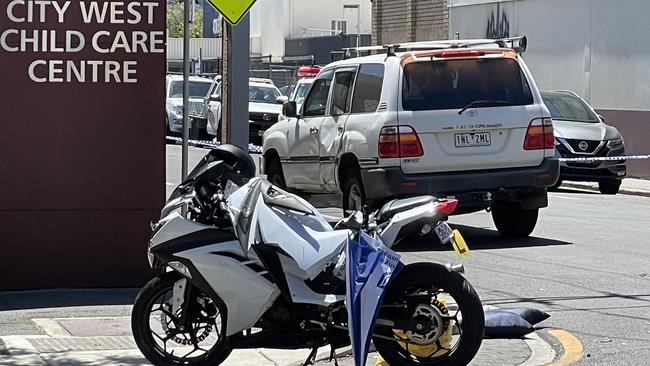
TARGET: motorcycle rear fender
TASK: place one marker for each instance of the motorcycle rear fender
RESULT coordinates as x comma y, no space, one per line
246,294
426,214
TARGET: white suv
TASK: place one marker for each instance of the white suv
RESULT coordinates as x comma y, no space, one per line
462,118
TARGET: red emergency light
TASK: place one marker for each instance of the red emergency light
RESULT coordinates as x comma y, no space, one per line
308,71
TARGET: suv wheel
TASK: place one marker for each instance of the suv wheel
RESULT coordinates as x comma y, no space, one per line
609,187
274,173
354,196
513,221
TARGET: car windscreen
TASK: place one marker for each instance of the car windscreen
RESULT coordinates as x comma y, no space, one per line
263,94
301,92
567,107
455,84
198,89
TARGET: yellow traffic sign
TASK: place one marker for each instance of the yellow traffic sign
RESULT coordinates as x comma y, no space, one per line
232,10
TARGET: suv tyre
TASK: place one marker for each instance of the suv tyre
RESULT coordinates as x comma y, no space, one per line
609,187
354,196
512,220
274,173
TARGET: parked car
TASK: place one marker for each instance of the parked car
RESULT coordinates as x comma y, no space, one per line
463,118
307,75
263,109
198,89
580,132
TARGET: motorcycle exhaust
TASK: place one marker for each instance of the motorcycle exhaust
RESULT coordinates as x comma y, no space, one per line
458,268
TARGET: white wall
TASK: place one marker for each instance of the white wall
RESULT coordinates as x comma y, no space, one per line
598,48
207,47
274,20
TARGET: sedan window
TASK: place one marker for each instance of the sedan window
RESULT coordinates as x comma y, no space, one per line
567,107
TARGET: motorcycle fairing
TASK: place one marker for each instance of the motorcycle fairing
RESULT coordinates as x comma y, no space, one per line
311,249
247,294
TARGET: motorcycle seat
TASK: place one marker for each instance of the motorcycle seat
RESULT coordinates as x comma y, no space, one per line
400,205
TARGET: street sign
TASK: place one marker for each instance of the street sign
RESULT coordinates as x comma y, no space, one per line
232,10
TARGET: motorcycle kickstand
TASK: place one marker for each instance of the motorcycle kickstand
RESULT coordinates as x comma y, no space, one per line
334,357
311,359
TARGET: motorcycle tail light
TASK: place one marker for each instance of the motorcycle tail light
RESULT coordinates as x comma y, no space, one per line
447,206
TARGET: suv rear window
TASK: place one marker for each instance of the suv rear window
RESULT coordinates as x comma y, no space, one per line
454,84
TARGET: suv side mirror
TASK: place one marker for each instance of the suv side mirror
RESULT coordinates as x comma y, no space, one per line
290,109
282,99
215,98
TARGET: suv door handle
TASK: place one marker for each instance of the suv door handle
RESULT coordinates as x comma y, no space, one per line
313,130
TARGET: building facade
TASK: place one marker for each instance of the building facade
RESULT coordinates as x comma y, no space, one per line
396,21
597,48
282,28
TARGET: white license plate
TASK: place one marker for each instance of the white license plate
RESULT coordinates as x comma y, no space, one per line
473,139
444,232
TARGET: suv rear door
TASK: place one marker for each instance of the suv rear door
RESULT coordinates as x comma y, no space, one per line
490,134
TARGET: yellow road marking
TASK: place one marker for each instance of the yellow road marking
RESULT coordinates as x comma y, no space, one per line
571,345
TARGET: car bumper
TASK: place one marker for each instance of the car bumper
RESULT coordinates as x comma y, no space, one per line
392,182
595,171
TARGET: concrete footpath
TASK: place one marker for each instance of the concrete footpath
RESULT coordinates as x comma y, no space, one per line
630,186
107,341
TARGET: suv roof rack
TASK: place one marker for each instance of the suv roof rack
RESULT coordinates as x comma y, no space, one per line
518,44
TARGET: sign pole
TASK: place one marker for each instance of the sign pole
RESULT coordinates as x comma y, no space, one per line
186,86
235,76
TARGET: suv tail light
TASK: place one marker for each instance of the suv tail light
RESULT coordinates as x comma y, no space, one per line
399,142
539,135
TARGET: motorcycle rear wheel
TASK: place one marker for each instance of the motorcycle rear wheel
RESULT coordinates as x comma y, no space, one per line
156,327
446,291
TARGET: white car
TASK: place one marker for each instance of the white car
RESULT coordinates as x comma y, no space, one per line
460,118
263,108
174,116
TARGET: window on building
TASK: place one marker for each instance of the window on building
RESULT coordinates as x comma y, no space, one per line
367,91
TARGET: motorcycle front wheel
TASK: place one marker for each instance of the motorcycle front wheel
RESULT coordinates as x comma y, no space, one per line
440,315
167,338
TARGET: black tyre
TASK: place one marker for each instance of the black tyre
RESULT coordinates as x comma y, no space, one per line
354,196
159,335
512,220
447,309
556,186
609,187
274,173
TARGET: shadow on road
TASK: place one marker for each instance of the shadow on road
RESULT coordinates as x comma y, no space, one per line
22,300
478,238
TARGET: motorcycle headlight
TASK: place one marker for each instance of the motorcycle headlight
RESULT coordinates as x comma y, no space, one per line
181,268
615,143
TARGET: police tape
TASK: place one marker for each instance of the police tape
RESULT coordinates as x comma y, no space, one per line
604,158
253,149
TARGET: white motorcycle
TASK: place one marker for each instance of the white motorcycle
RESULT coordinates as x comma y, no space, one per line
257,267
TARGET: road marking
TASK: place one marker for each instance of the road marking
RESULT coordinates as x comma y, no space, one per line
572,347
541,352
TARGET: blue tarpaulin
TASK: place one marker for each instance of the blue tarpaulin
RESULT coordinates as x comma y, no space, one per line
370,266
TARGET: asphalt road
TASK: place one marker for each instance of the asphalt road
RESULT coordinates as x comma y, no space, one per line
587,264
